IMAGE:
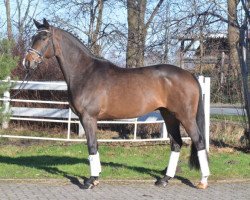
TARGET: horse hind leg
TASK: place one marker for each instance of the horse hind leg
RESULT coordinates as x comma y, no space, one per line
173,127
198,158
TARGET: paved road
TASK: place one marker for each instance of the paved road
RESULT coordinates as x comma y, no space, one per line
117,190
227,110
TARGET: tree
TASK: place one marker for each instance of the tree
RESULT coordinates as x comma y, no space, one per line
244,57
84,17
9,24
233,37
137,31
7,64
95,26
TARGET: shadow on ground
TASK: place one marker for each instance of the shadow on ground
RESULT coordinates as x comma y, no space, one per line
49,163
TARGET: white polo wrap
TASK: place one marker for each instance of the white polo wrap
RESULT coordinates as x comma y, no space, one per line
95,164
202,156
172,165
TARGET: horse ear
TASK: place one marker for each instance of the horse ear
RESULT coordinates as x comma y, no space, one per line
45,23
38,25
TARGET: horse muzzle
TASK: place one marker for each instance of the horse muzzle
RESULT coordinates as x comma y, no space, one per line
31,64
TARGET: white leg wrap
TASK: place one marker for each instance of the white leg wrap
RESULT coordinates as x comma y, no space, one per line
172,165
202,155
95,164
204,179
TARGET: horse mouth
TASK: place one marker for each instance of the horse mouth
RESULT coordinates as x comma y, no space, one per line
29,64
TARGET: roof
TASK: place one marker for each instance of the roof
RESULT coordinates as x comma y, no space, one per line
197,36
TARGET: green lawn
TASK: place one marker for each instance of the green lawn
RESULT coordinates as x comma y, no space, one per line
60,160
227,118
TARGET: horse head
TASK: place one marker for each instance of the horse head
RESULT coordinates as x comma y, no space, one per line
41,45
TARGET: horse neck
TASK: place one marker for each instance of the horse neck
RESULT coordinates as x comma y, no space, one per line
74,59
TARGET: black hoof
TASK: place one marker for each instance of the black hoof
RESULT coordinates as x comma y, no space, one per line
161,183
90,183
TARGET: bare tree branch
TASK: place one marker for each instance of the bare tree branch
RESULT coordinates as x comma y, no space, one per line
154,13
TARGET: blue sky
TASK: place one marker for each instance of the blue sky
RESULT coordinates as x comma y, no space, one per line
114,15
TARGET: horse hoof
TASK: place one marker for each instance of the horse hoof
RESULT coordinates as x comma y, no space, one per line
90,183
202,186
161,183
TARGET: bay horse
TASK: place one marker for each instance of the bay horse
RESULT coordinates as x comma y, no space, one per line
99,90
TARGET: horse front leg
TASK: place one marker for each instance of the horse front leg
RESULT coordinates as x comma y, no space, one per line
90,125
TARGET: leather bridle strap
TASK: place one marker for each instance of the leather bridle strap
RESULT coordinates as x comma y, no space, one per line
40,53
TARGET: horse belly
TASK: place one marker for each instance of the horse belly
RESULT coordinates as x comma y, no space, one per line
130,104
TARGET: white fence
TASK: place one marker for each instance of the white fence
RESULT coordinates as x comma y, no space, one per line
66,116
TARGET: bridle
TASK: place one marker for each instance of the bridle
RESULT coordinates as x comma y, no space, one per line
28,74
39,54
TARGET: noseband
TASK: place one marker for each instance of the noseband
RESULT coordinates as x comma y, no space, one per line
38,53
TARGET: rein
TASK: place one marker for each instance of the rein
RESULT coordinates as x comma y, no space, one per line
26,78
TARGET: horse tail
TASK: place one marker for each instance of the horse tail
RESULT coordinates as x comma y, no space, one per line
200,120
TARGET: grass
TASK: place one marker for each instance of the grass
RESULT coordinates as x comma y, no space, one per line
22,159
41,160
228,118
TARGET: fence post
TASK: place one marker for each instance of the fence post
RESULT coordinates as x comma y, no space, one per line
81,131
6,106
69,124
135,129
205,87
164,132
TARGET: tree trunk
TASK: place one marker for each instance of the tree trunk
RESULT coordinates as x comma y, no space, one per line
95,26
96,35
233,38
244,57
9,26
136,35
137,31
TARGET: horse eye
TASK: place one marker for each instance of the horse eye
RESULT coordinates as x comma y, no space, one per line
44,37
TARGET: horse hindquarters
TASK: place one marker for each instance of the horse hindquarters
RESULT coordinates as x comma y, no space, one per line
192,118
